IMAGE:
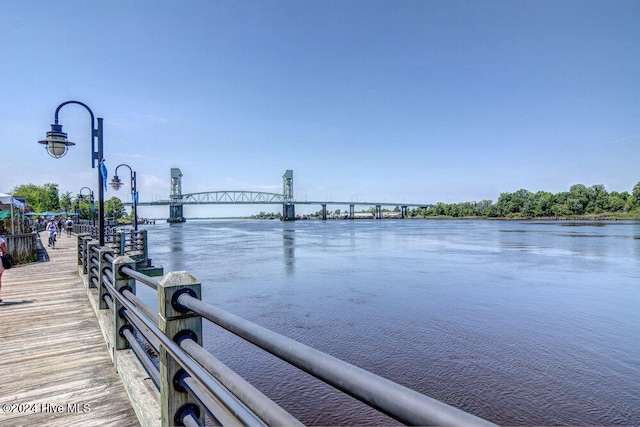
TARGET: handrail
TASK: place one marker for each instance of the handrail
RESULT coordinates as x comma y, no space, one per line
142,278
145,308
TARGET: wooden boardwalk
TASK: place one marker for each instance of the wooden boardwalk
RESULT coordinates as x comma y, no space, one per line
55,368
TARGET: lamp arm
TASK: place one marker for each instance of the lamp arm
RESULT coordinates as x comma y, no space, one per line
123,164
79,103
132,176
94,132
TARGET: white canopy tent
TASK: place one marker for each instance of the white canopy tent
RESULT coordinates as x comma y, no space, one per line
11,203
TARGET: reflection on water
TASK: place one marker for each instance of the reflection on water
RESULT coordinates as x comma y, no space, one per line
522,323
289,248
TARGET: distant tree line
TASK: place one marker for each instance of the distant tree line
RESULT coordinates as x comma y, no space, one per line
578,201
46,198
267,215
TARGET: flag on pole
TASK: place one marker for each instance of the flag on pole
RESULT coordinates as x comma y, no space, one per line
103,171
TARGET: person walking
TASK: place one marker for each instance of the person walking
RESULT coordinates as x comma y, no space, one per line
4,250
69,226
52,228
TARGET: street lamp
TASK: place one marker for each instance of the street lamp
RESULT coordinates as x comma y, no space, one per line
82,198
57,145
72,202
116,184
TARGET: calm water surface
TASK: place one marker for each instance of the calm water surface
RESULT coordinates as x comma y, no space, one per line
521,323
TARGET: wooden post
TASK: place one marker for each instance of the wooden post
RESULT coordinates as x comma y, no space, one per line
103,265
142,239
83,240
80,243
121,283
121,241
172,323
91,254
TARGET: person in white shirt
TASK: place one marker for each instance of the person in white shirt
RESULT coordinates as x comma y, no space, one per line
52,228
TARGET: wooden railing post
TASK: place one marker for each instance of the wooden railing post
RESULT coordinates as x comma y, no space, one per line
142,241
175,325
103,266
122,242
79,249
115,243
121,283
91,254
83,239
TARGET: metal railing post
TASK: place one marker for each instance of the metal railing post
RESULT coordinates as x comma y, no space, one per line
91,255
104,265
176,324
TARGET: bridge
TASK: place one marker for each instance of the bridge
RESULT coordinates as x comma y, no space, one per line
177,200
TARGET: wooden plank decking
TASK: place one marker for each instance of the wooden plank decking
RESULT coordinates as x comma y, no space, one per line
55,368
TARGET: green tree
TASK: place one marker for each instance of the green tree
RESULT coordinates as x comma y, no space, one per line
39,198
543,204
616,202
52,197
34,195
65,201
520,202
598,202
85,209
483,207
578,199
636,196
114,207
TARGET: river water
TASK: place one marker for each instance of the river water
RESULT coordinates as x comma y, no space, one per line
521,323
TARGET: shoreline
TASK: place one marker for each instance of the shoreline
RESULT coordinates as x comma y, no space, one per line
433,218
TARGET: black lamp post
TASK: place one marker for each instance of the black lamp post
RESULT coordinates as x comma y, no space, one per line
57,145
116,184
81,198
72,203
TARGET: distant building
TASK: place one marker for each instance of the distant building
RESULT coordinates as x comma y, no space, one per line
391,214
363,215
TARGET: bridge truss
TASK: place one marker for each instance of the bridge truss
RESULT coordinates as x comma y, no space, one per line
260,198
233,197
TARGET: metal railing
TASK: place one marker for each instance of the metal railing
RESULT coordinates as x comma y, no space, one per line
191,382
123,241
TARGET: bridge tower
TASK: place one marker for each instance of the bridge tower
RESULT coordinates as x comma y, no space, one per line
175,208
288,208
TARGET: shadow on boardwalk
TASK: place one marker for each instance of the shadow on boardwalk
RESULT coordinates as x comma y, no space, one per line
55,368
43,255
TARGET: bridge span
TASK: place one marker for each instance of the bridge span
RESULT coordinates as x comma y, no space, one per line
177,200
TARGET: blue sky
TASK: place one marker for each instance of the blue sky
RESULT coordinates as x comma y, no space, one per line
408,101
